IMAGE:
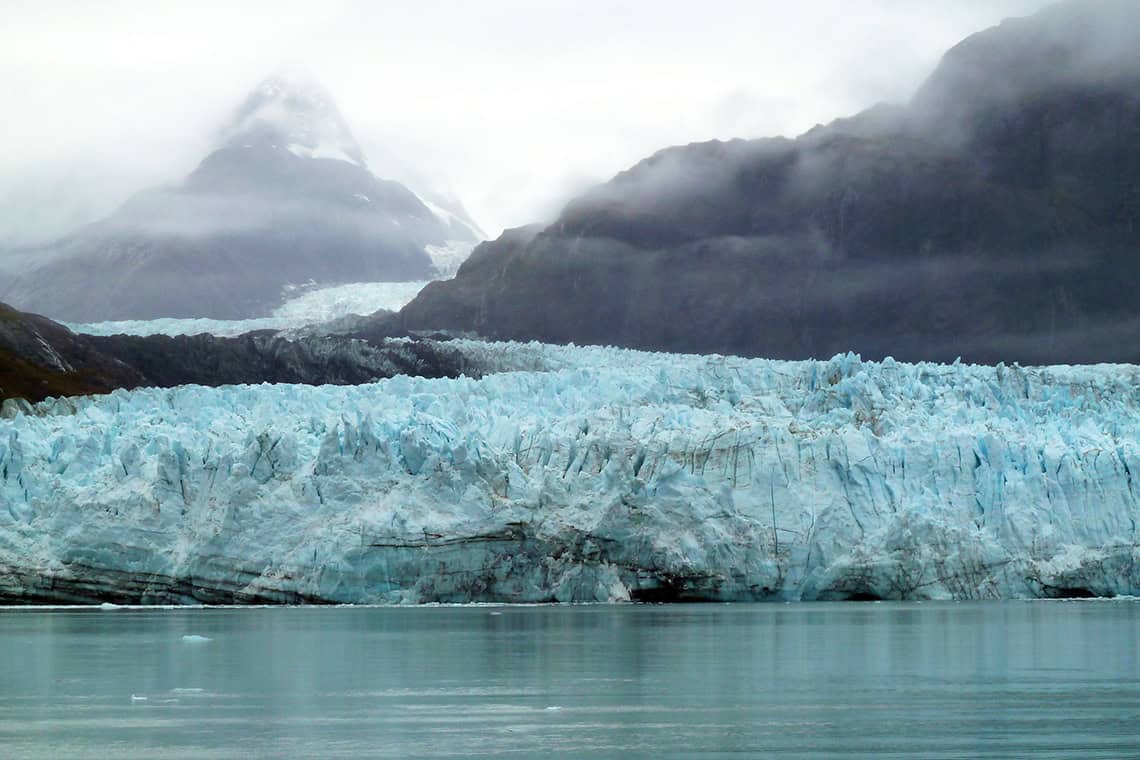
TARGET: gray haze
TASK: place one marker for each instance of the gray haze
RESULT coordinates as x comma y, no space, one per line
511,105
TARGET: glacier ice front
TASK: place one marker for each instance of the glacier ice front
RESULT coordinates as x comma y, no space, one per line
584,474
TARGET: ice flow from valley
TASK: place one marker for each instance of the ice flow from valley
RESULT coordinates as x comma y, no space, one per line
310,307
584,474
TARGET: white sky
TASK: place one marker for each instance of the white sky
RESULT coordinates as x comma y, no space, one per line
513,105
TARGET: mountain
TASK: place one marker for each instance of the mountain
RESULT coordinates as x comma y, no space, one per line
995,217
285,199
41,358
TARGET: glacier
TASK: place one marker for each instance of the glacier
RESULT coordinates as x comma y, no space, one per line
583,474
303,306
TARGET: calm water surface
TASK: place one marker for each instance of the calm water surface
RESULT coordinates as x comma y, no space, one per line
1014,679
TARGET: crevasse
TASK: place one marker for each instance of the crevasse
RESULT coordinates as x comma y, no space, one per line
584,474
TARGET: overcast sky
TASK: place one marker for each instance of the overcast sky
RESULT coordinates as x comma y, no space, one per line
513,105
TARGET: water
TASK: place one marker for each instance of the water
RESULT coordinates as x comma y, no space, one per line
1015,679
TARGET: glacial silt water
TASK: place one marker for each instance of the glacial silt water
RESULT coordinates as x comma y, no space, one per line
948,680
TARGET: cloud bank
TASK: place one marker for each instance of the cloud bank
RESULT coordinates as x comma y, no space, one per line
512,106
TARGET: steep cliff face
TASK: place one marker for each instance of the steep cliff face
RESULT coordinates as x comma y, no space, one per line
994,218
594,475
285,199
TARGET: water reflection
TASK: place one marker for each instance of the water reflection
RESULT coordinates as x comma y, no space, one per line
822,680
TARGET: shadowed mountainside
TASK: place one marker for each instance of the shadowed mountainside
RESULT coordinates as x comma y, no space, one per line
994,217
41,358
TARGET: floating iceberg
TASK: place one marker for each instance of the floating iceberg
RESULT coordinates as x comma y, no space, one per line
584,474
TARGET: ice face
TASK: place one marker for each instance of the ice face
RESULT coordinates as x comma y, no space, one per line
585,474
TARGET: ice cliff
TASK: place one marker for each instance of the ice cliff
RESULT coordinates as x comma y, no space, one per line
585,474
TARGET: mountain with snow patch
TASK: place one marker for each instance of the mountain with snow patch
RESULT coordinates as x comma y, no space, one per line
295,114
286,200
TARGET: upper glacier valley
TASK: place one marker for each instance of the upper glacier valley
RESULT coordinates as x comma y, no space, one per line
583,474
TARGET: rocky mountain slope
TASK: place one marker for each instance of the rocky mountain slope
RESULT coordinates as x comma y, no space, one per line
994,217
285,199
41,358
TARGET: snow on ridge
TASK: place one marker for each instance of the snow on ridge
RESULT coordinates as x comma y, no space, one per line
443,214
321,150
586,474
295,111
452,220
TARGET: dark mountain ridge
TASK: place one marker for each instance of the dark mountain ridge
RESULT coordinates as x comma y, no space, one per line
994,217
40,358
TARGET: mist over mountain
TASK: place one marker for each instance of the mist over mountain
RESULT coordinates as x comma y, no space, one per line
993,217
286,199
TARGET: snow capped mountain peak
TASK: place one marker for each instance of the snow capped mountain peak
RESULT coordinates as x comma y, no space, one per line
293,112
284,197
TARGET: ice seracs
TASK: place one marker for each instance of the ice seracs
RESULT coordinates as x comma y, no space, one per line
447,258
584,474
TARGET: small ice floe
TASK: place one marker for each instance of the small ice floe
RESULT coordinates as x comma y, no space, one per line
193,638
137,698
495,613
553,708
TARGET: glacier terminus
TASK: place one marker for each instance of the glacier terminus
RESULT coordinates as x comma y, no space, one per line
583,474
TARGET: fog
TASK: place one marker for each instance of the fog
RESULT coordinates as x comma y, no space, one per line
511,106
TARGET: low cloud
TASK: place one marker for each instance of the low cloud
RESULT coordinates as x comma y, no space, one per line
509,105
